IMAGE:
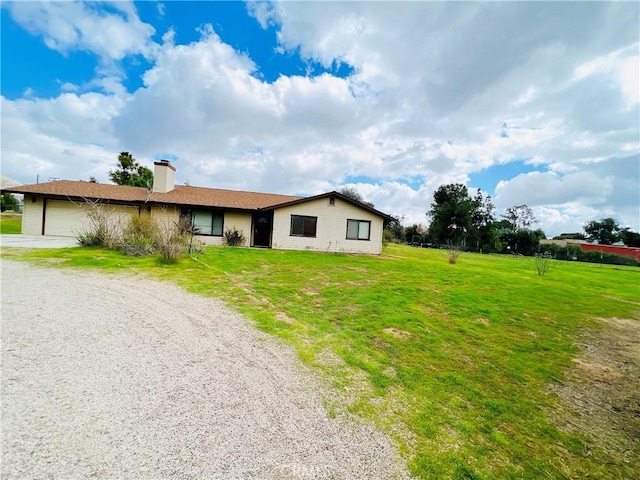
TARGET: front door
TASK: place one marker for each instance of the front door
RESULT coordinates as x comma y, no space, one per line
262,229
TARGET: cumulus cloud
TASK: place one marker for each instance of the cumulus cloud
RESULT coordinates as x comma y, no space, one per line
66,137
439,91
110,31
548,188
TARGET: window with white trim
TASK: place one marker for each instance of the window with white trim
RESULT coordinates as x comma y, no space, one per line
303,226
358,229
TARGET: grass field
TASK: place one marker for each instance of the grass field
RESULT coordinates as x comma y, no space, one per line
10,223
461,364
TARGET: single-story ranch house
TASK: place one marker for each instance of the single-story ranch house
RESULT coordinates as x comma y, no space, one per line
329,222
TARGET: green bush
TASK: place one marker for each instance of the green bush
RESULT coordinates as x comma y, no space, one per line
233,237
92,238
137,246
387,237
140,236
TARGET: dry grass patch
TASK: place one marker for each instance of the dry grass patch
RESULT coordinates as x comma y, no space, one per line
283,317
602,393
394,332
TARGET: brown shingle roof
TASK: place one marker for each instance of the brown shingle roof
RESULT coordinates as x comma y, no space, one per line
181,195
214,197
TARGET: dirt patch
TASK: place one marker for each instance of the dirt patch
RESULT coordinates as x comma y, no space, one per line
379,344
283,317
612,297
484,321
602,393
63,260
394,332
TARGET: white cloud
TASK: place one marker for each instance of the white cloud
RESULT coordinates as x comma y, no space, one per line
66,137
525,97
111,33
622,65
434,84
548,188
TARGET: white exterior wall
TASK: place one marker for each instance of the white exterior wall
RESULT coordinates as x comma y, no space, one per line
331,228
237,220
164,216
32,216
68,219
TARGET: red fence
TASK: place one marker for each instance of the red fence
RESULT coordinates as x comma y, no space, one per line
633,252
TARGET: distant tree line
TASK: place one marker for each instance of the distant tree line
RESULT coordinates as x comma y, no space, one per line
469,222
606,231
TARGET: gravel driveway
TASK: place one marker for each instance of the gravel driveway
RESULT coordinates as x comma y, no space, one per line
106,376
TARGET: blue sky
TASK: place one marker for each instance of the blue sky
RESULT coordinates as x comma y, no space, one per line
534,103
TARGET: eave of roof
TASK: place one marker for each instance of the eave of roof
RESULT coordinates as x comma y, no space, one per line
364,206
181,195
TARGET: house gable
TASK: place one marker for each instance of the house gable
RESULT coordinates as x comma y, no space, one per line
331,219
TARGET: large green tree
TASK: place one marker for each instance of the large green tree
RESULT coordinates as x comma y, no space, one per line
605,232
519,217
452,214
414,234
630,238
482,218
9,202
130,172
396,229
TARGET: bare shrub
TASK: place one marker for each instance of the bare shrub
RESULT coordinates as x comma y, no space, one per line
142,235
234,237
543,261
454,251
174,239
103,230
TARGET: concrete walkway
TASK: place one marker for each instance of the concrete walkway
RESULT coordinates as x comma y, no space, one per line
37,241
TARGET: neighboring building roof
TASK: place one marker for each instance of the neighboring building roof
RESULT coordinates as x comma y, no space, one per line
8,182
181,195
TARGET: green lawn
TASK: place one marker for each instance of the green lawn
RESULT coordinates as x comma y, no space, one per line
453,361
10,222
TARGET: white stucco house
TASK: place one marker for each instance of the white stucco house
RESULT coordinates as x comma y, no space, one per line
330,222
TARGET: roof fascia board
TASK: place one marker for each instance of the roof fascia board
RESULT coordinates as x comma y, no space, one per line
329,194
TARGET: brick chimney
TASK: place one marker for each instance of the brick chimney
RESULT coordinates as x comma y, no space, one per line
164,176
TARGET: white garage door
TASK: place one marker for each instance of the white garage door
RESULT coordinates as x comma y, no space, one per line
67,219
